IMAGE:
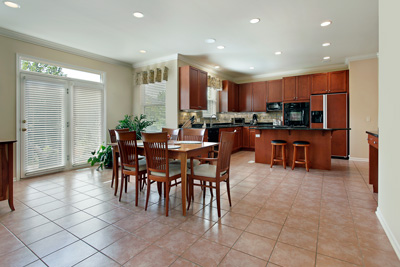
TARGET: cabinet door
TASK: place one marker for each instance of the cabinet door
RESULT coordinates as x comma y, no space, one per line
338,82
239,132
259,97
246,137
319,83
303,87
252,135
233,97
194,88
289,88
274,91
245,97
202,90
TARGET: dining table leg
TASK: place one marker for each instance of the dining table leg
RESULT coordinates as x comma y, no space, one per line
183,181
115,170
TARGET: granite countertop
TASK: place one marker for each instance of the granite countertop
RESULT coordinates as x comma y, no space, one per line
296,128
230,125
374,133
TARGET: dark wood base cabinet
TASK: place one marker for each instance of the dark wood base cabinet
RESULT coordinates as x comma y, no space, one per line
6,172
373,160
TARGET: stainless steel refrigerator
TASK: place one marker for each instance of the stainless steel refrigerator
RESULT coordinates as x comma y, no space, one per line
331,111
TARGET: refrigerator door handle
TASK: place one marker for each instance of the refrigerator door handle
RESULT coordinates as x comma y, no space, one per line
325,111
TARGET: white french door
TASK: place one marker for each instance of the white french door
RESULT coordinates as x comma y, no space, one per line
62,122
43,125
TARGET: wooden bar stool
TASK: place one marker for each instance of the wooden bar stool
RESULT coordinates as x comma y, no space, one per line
306,162
282,144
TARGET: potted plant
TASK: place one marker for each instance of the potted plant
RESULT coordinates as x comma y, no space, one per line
103,156
138,124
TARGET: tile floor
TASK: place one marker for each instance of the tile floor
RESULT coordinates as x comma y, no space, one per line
278,218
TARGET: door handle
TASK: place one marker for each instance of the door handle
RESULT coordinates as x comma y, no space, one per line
23,129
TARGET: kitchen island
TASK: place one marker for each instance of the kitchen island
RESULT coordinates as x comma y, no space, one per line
319,139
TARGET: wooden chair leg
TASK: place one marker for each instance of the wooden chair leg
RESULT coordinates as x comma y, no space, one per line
306,158
211,192
137,182
294,156
148,192
204,183
167,198
272,155
218,196
190,191
159,188
228,189
126,183
284,156
112,178
122,187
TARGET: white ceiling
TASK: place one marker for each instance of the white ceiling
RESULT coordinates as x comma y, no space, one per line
108,28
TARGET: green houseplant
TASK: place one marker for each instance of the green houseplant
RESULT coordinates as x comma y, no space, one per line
103,156
138,124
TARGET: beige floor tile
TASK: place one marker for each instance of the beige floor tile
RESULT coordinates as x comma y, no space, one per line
286,255
177,241
98,260
239,259
299,238
264,228
205,253
223,234
152,256
63,257
324,261
236,220
52,243
255,245
105,237
126,248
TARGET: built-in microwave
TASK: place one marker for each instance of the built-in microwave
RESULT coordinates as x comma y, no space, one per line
275,106
297,114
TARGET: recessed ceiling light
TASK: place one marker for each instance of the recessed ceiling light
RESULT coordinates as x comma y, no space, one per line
326,44
143,51
278,53
252,68
210,41
217,67
327,58
326,23
256,20
138,15
220,47
11,4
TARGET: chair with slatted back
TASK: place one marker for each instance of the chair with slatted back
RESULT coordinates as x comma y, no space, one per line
173,133
190,134
214,173
131,165
113,139
159,169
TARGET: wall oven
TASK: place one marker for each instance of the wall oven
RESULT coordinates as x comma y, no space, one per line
297,114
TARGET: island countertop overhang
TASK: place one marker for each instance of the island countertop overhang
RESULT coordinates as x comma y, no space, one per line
297,128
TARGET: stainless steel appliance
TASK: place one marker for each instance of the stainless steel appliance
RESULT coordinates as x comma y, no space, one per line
275,106
331,111
238,121
297,114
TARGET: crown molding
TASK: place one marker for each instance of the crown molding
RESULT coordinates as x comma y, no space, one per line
155,61
361,57
63,48
291,73
205,67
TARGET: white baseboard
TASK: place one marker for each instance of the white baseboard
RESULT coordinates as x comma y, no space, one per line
392,238
359,159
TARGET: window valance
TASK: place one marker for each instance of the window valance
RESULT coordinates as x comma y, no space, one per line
214,82
152,76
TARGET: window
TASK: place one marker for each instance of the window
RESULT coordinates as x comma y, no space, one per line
211,103
154,104
52,69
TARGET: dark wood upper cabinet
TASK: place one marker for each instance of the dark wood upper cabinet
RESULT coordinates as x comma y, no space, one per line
274,91
229,97
303,85
259,96
245,97
319,83
338,81
289,89
192,88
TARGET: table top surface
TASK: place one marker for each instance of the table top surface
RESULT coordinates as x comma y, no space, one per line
182,147
7,141
296,128
374,133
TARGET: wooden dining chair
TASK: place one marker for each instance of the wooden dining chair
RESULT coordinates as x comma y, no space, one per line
214,174
113,139
173,133
159,169
130,163
190,134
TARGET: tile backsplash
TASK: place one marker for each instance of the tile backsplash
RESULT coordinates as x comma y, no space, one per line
226,117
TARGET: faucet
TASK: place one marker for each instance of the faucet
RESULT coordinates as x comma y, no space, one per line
213,116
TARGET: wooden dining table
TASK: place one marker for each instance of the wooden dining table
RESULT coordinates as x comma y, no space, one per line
184,152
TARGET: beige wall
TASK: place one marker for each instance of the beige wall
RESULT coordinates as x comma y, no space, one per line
171,101
389,127
363,104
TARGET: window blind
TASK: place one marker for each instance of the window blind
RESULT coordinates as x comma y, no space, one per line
45,115
154,105
87,122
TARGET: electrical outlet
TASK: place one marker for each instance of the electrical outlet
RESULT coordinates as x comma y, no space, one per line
368,119
258,136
